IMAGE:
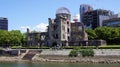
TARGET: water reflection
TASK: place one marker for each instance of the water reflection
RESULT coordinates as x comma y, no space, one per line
56,65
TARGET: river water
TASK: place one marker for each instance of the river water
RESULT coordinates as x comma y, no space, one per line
56,65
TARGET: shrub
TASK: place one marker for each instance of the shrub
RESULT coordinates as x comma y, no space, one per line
73,53
87,52
1,51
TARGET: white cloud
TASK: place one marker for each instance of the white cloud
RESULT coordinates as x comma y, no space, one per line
24,28
77,16
40,27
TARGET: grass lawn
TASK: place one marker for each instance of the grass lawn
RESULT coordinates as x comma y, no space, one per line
110,47
73,47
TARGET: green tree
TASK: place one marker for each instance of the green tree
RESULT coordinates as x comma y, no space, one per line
111,35
91,34
24,39
4,37
16,37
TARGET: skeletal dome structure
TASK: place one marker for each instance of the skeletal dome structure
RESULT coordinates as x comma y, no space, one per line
63,10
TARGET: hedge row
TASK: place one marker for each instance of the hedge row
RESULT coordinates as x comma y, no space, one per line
93,47
79,47
109,47
15,47
72,47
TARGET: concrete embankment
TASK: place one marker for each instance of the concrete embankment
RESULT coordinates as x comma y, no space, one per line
65,59
101,56
62,59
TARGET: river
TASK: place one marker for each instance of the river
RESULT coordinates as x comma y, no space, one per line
56,65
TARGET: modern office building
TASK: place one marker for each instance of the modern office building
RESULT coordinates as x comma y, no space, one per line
3,23
83,9
95,18
115,16
114,22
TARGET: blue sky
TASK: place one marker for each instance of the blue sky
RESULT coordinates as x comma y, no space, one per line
35,13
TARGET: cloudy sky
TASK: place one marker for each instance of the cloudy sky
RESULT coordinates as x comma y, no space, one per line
34,14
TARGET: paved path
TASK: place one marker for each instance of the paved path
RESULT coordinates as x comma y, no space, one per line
55,52
104,52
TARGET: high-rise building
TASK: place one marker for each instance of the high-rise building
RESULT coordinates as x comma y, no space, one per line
3,23
95,18
113,21
115,16
83,9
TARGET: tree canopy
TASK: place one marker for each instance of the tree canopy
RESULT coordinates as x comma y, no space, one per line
111,35
10,38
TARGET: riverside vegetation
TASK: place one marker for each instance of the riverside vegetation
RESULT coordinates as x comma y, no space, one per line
84,52
110,34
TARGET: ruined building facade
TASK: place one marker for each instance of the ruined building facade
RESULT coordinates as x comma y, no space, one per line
60,32
59,28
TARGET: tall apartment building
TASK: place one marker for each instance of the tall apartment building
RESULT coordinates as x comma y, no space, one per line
95,18
3,23
59,28
83,9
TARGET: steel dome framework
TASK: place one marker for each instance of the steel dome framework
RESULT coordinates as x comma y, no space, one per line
63,10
